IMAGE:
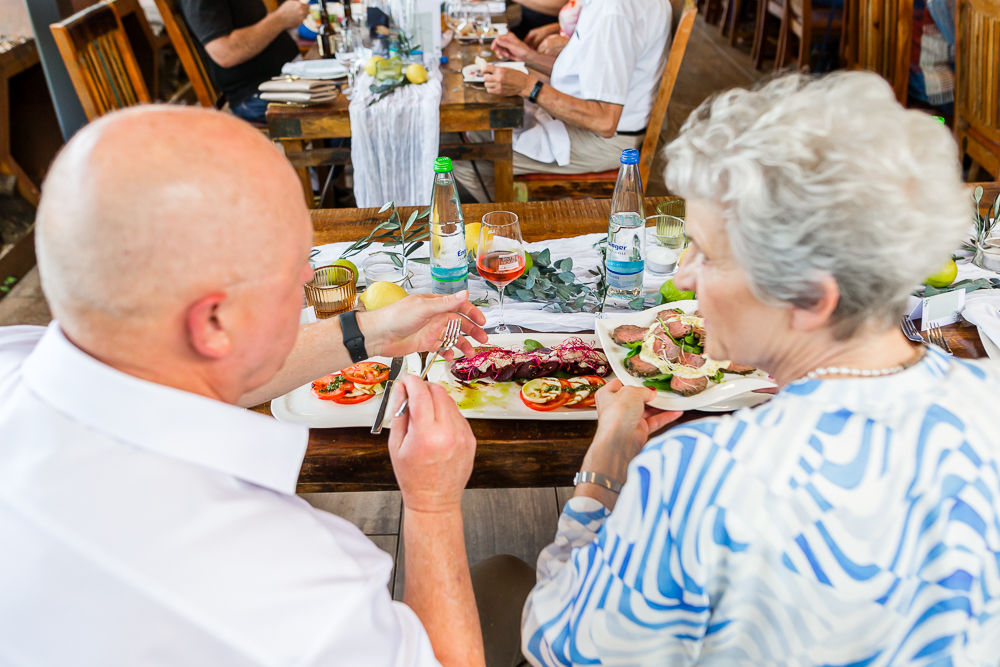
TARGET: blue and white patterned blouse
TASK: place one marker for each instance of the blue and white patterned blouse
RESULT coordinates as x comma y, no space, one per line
845,522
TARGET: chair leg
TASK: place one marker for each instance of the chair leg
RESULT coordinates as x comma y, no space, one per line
734,20
974,170
805,47
781,57
727,6
759,32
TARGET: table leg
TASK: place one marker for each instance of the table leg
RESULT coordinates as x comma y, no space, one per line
503,170
296,146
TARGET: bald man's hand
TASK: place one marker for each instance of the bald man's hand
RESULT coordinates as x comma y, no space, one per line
415,324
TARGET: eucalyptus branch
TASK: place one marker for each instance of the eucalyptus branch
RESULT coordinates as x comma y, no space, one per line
392,233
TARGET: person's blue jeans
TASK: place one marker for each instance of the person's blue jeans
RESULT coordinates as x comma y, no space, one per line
252,109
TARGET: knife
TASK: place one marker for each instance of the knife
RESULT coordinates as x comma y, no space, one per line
394,368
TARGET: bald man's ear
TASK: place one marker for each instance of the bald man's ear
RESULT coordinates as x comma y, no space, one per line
205,331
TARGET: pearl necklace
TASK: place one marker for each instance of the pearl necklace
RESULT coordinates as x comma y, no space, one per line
866,372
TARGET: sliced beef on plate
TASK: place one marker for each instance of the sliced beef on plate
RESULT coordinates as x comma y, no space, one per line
639,368
628,333
664,347
677,329
688,386
739,369
698,313
692,360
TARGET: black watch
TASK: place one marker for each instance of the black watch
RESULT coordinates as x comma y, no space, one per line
354,340
533,96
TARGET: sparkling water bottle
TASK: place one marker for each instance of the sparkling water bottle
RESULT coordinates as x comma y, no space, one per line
626,252
449,265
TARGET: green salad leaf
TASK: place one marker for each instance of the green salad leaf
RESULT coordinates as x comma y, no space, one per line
530,345
659,382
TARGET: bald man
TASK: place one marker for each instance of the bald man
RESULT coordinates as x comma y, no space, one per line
144,518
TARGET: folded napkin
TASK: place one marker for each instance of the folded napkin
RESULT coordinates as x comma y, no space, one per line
473,73
300,97
983,309
283,84
543,137
315,69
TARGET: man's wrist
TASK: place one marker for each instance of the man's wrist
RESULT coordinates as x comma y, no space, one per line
528,87
374,342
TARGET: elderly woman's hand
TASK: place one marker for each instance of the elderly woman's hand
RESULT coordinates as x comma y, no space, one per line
506,81
624,424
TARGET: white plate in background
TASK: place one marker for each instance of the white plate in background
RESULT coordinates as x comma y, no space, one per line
735,392
509,405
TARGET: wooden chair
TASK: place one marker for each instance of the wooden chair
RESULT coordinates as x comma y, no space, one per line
977,84
730,22
802,21
767,12
528,187
879,36
145,43
100,62
189,55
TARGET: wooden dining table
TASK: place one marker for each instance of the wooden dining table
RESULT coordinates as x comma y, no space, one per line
527,453
464,108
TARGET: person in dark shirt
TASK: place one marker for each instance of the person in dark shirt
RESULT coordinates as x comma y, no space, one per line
244,45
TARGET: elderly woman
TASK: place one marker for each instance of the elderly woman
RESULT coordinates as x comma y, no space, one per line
851,520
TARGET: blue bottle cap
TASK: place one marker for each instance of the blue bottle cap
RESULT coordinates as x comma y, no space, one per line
630,156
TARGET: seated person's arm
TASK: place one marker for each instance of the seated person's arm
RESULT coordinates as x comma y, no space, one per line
242,44
410,325
511,48
534,38
598,117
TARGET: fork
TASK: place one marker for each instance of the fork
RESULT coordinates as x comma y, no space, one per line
937,337
448,340
909,330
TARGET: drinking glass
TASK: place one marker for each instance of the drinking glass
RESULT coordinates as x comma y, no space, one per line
482,20
669,238
500,257
332,290
457,18
349,46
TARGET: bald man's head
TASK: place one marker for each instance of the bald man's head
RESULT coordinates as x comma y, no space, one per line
148,207
169,228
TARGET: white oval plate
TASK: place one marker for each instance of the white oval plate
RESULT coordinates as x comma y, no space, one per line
301,407
992,351
510,406
733,393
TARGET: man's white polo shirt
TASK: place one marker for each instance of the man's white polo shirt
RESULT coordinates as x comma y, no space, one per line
142,525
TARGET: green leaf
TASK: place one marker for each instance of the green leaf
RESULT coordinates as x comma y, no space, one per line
578,303
395,258
410,221
392,243
660,382
543,258
424,213
637,303
566,264
530,345
413,248
385,207
534,272
524,295
633,349
658,299
567,277
529,282
421,260
719,375
977,195
422,236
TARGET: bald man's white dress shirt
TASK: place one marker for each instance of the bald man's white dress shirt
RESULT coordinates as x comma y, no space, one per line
142,525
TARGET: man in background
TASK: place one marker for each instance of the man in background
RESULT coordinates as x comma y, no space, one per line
245,46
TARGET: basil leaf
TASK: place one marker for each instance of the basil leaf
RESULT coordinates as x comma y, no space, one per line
660,382
634,349
718,376
530,345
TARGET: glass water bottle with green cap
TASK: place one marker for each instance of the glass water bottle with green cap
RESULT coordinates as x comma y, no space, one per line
449,264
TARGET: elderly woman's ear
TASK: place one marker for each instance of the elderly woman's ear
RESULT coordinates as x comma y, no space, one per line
819,315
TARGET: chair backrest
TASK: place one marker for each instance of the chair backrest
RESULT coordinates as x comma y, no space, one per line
141,38
100,61
977,67
270,5
681,35
879,39
187,52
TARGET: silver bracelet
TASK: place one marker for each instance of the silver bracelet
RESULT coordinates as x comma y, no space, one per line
598,479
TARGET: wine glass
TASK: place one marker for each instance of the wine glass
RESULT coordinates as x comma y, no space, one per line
348,51
500,257
481,18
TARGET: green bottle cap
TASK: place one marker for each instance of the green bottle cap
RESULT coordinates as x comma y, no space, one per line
442,165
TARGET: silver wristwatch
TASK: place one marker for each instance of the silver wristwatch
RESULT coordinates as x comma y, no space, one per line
598,479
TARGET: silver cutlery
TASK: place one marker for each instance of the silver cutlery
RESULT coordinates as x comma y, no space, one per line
394,368
909,330
936,336
448,340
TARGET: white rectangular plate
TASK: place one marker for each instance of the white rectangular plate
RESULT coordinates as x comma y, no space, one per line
301,407
733,393
508,404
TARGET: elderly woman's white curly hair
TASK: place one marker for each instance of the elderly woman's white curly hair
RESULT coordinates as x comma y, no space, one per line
826,176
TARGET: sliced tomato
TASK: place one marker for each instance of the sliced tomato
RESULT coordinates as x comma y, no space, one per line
367,372
331,387
350,400
545,394
583,391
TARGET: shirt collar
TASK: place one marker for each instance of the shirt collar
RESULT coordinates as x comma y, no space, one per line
164,420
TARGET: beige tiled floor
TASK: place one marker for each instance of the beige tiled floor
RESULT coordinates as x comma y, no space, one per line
515,521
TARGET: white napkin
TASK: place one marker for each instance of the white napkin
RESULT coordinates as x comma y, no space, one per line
543,137
982,308
288,96
315,69
283,84
472,74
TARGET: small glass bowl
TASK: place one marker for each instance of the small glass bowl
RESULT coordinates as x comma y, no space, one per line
379,267
332,290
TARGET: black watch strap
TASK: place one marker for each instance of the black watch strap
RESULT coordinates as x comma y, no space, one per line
533,97
354,340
